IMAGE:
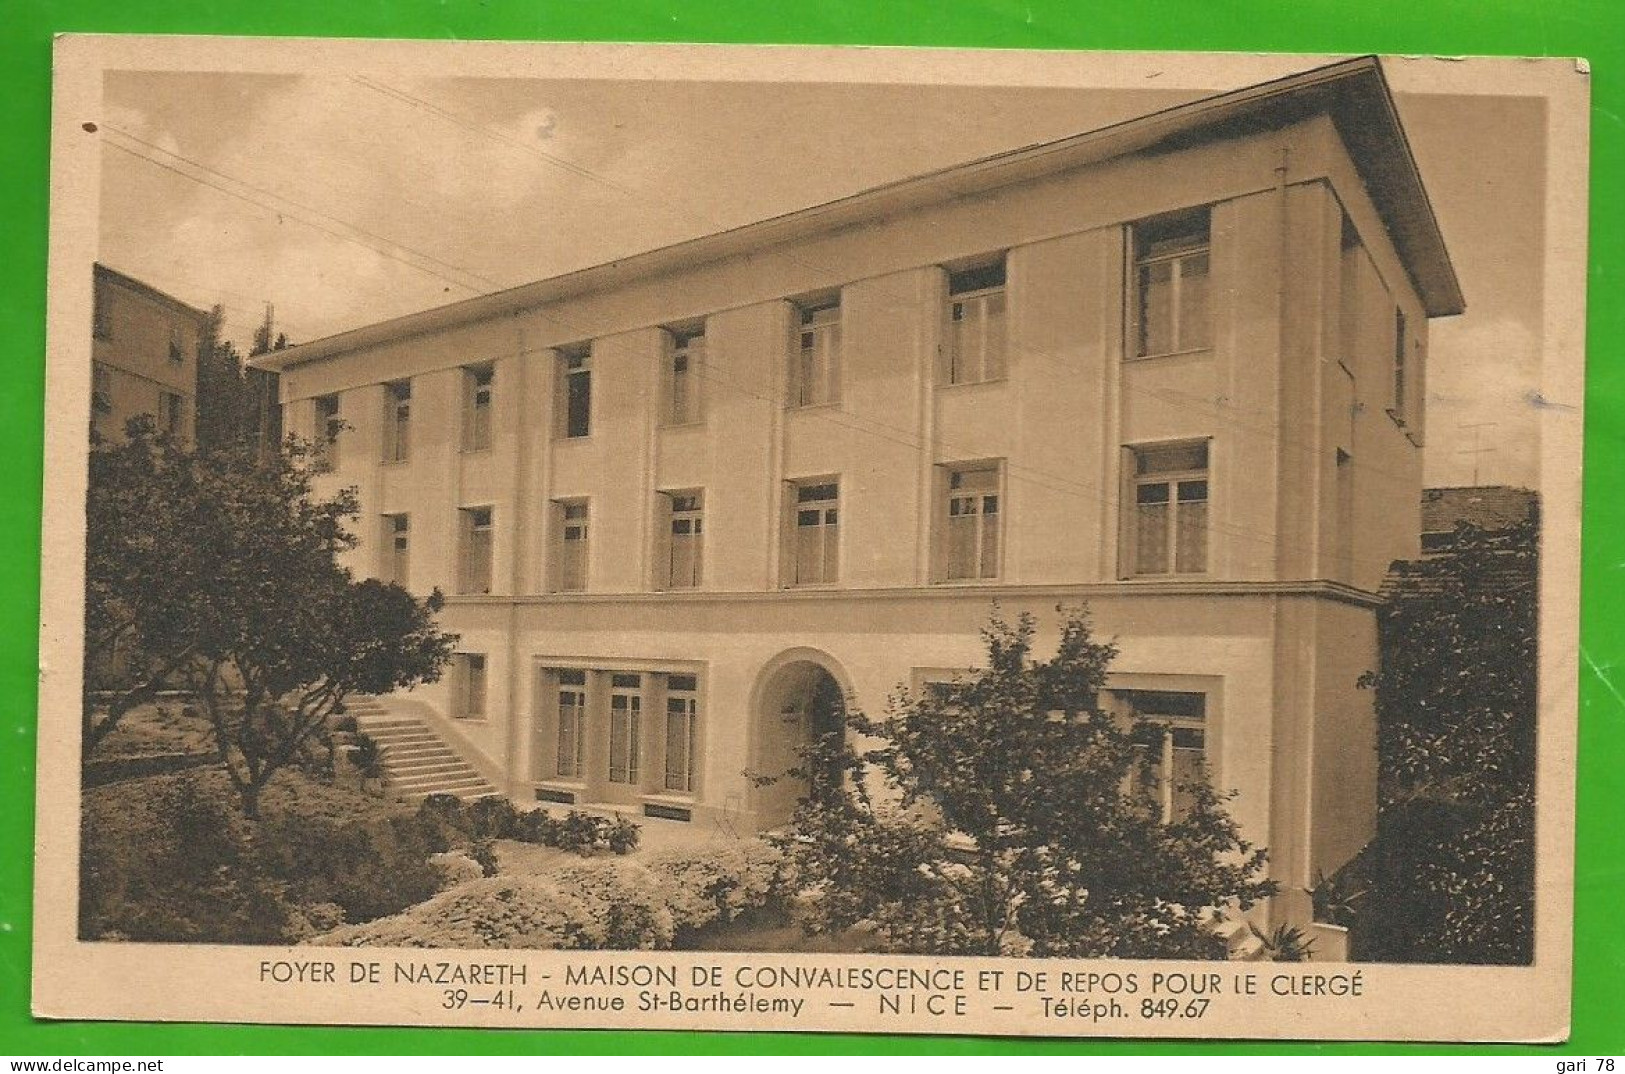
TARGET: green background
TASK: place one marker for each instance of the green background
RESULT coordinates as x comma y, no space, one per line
1590,28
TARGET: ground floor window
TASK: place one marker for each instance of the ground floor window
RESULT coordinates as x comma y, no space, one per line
468,686
682,725
625,727
572,724
1170,726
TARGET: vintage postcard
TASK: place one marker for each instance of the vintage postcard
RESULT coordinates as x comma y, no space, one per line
811,539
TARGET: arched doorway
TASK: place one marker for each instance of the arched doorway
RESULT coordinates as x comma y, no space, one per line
799,695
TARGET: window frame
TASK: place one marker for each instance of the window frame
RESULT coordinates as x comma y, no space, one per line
948,498
977,284
470,529
1398,367
397,421
677,513
101,311
688,698
795,506
1196,225
564,681
177,345
397,546
1172,480
327,426
821,322
1171,725
564,521
479,408
101,388
574,364
172,412
630,766
685,348
468,702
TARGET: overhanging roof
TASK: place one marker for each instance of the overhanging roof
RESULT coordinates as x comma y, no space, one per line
1353,93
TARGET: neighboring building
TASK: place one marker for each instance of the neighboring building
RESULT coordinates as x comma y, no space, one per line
1173,368
1492,508
145,353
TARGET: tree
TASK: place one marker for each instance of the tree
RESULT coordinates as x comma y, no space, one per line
236,593
135,529
997,815
235,402
1451,874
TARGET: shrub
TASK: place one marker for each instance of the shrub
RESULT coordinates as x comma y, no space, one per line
623,836
491,818
622,903
346,724
718,886
371,869
484,853
510,913
458,867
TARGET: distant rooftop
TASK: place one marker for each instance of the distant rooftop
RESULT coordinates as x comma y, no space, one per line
1489,507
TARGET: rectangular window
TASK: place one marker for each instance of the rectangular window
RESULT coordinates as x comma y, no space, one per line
1170,489
328,426
684,367
682,728
814,540
816,357
475,576
625,727
478,384
1399,366
571,546
1170,730
572,738
397,548
970,520
976,324
575,392
397,421
177,344
1345,516
101,388
173,413
468,681
685,543
1170,309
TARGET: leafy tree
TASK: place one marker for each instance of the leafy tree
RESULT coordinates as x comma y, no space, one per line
235,592
1451,874
235,402
996,816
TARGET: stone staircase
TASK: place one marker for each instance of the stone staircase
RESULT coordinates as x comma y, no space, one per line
416,760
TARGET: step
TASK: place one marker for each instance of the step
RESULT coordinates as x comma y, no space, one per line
455,779
438,768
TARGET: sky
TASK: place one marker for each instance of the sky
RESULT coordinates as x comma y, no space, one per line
346,198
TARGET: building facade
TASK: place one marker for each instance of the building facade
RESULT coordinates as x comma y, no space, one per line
145,348
1172,369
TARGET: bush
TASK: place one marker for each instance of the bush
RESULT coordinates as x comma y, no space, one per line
458,866
719,886
622,904
491,818
346,724
484,854
507,913
371,869
623,836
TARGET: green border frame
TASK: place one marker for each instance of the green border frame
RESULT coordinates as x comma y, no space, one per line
1588,28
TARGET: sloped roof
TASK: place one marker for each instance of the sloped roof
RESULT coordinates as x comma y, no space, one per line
1489,507
1353,93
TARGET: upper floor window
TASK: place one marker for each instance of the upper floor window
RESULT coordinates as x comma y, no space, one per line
969,516
1170,729
976,324
328,427
685,543
816,363
101,388
575,392
173,412
682,731
1400,342
479,382
685,358
1170,309
570,546
813,555
397,549
477,535
1170,520
177,344
397,421
468,686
